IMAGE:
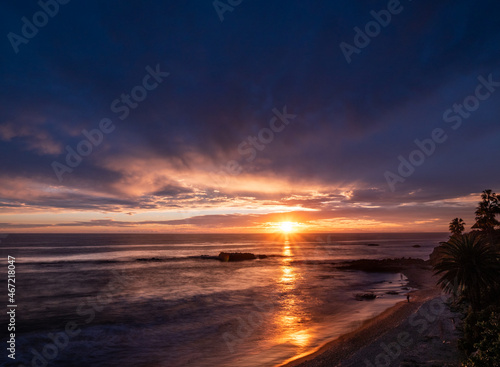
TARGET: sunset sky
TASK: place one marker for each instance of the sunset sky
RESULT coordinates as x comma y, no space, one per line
261,119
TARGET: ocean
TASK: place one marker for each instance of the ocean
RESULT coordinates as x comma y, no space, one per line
156,300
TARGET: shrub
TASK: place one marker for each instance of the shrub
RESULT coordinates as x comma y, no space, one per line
487,350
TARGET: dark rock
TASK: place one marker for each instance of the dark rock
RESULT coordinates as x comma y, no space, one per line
381,266
436,255
236,256
150,259
392,293
416,246
365,296
373,244
232,256
208,257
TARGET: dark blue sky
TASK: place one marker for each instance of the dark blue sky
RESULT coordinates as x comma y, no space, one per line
165,161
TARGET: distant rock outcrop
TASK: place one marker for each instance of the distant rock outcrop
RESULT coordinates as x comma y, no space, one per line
416,246
365,296
149,259
386,265
239,256
372,244
436,255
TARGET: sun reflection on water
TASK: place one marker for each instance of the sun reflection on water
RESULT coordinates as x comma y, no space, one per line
291,316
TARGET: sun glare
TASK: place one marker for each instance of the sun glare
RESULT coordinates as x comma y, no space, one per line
287,227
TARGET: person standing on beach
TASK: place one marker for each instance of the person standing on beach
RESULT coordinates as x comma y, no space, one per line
408,297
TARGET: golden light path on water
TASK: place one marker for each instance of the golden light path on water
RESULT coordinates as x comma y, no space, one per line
290,318
297,332
301,322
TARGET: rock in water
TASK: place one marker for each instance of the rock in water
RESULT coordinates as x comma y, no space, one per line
365,296
236,256
436,255
151,259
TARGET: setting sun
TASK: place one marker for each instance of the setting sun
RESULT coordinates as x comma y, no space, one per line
287,227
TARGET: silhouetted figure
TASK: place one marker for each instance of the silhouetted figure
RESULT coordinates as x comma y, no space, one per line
408,297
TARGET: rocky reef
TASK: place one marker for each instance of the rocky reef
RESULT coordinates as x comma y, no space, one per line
365,296
238,256
386,265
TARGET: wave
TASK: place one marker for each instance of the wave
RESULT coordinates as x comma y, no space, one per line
200,257
133,260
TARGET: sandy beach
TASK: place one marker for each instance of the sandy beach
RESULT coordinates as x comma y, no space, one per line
421,332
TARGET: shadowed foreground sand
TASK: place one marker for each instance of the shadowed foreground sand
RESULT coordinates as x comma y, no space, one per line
419,333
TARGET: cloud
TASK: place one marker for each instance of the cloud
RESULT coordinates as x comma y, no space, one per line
354,120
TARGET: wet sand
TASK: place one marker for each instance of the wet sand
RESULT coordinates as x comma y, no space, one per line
419,333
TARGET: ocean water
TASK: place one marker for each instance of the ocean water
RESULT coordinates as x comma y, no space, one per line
154,300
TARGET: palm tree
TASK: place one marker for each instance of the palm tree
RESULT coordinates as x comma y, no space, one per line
486,211
468,265
457,226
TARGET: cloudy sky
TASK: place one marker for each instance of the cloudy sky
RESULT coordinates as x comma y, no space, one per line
195,116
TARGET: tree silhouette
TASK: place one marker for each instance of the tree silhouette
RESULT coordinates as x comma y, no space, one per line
457,226
469,264
486,211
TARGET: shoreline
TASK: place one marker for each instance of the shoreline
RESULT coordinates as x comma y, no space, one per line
363,345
